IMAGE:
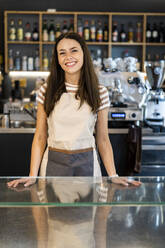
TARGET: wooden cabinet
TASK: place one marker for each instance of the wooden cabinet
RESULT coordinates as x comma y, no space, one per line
108,48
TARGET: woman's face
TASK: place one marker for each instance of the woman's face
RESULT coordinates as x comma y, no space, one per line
70,56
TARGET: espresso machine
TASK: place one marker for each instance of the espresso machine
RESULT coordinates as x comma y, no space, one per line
154,113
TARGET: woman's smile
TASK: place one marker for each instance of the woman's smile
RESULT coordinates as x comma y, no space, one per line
70,64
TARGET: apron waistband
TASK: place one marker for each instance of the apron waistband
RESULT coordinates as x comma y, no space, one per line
70,151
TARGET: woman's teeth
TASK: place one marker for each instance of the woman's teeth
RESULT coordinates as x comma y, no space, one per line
70,63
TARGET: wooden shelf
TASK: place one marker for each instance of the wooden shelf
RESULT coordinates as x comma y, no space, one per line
109,17
155,44
23,42
48,42
127,43
97,43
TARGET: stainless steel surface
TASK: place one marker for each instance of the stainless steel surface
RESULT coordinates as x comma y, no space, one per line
129,93
155,74
153,152
158,138
17,130
21,111
136,220
147,131
154,114
125,114
153,147
103,227
154,110
22,124
32,130
118,130
155,166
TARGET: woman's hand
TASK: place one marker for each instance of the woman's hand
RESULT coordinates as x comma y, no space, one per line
26,181
124,181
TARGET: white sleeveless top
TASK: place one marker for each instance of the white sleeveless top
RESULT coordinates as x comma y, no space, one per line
71,127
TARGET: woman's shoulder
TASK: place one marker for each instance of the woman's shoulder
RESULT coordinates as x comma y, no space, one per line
41,93
104,97
102,88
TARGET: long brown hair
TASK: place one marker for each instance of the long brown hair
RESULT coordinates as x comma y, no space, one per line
88,89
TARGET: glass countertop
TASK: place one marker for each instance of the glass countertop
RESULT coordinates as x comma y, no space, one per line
83,191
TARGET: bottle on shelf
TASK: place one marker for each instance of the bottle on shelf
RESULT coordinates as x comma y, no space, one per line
45,35
58,31
148,33
17,61
161,32
80,27
20,31
138,32
11,60
93,31
64,28
35,34
51,31
16,93
155,34
86,31
105,32
12,30
28,33
92,53
71,26
130,32
45,63
115,32
30,63
122,35
24,63
99,31
99,56
37,60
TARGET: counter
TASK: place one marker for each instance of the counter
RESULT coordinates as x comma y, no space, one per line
83,212
17,130
15,150
32,130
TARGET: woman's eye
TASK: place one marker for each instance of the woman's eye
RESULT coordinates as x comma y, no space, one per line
74,51
62,53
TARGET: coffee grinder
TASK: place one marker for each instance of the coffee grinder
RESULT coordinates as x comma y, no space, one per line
154,114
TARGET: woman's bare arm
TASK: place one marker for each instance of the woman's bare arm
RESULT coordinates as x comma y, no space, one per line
103,142
38,148
105,149
39,141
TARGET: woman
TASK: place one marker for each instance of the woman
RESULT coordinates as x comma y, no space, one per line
70,105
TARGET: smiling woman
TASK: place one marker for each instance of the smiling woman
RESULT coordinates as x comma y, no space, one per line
70,106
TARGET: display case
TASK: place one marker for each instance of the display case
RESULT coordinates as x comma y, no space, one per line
83,212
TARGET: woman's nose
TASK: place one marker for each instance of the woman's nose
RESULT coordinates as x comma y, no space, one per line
68,56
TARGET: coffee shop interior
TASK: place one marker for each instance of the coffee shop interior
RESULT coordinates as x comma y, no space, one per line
126,40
